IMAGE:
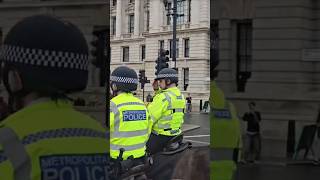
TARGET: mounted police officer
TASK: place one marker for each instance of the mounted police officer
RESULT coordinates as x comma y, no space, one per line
167,111
130,123
45,58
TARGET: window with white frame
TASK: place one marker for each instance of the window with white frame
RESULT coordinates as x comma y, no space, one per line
114,20
148,20
131,23
186,47
125,54
185,78
244,53
180,12
183,11
171,47
143,52
169,19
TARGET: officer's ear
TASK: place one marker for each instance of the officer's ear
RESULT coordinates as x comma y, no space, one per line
168,81
114,87
14,81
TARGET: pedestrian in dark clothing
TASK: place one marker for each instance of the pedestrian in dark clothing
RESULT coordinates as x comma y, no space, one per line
253,140
315,148
149,98
4,109
189,105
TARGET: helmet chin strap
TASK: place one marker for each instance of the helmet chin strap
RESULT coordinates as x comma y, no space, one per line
114,91
168,84
15,100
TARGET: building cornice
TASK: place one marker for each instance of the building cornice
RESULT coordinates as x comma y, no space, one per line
127,40
153,60
148,35
7,5
127,63
191,30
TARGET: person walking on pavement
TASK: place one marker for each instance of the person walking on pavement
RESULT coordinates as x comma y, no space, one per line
225,136
130,123
4,109
189,105
149,98
315,147
253,140
45,58
167,110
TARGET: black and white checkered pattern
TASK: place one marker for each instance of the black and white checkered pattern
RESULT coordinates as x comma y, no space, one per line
39,57
124,80
167,76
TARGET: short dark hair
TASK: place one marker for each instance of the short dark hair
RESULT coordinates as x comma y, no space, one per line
252,103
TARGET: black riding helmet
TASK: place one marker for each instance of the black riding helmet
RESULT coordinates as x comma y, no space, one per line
50,54
168,73
125,79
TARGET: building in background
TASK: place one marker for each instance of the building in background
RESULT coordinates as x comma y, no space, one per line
140,28
269,52
87,15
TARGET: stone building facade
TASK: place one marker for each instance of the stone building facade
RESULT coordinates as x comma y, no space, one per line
139,28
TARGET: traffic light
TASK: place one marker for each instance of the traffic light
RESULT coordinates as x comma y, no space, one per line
142,78
98,51
142,74
162,61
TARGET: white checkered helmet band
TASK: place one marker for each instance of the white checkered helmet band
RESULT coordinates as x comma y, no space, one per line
39,57
160,76
125,80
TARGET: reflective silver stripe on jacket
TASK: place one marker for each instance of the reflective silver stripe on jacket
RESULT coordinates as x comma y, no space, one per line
14,149
221,154
179,110
116,147
167,118
16,153
169,100
164,126
123,134
130,103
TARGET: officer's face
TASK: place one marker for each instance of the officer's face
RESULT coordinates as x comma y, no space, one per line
162,83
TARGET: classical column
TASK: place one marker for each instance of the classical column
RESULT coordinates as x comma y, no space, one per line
155,15
119,19
195,12
137,17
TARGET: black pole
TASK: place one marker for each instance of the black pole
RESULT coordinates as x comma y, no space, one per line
291,139
174,32
143,94
103,67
